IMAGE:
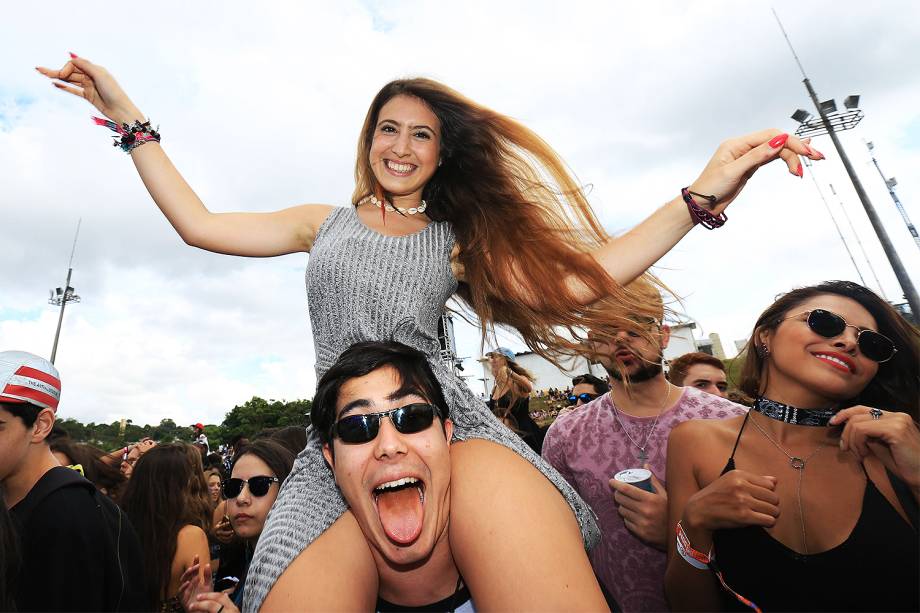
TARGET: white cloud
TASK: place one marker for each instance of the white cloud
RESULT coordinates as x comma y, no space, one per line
260,107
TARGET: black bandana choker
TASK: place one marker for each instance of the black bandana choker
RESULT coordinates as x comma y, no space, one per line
793,415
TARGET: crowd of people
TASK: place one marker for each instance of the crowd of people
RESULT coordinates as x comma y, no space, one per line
407,492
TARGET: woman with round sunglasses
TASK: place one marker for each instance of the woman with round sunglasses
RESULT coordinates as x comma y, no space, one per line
255,479
451,198
809,501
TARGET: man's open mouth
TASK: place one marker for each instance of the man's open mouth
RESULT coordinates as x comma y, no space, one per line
401,507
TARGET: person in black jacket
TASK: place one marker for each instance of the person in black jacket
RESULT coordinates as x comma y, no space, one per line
79,551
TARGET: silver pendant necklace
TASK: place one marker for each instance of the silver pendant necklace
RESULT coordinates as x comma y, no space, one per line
643,454
799,464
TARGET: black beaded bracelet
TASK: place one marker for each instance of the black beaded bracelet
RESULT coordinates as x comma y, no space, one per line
699,214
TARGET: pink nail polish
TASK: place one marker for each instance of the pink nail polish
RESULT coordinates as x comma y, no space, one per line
779,141
72,54
799,170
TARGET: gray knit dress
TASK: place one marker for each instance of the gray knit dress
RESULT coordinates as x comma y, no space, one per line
364,286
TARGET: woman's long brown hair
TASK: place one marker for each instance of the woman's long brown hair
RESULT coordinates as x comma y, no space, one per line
896,385
523,223
167,491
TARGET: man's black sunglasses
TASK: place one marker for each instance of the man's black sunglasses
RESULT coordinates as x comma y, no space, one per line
585,398
875,346
409,419
258,486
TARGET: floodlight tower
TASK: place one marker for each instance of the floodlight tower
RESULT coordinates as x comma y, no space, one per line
830,121
890,184
61,296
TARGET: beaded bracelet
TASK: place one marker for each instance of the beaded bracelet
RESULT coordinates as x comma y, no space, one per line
131,137
699,214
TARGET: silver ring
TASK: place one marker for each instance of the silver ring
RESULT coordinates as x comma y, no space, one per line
875,413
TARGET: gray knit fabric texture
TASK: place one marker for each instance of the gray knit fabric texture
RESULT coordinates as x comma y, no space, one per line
364,286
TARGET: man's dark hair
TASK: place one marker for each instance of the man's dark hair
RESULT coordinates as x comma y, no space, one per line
411,365
600,386
679,366
25,411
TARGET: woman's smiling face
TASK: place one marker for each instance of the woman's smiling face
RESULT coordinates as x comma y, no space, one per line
405,151
818,371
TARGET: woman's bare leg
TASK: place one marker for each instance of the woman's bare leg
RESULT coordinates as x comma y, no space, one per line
513,536
336,572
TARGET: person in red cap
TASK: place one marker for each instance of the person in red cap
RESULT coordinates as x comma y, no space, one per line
79,552
201,440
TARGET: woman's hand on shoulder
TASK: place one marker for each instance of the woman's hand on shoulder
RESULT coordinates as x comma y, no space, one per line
737,159
892,437
94,84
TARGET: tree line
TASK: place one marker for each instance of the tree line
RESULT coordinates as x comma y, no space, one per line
247,419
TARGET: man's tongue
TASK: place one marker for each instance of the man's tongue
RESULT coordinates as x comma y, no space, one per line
401,514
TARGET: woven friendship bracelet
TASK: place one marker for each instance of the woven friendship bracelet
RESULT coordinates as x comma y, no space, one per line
698,559
699,214
130,137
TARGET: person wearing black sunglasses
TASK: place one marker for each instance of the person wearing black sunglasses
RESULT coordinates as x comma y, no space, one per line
822,479
386,430
255,480
585,388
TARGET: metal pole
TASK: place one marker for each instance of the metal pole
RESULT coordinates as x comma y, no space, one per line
894,196
811,174
858,242
57,333
903,279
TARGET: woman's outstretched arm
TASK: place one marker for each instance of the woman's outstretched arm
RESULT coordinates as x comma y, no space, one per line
735,161
248,234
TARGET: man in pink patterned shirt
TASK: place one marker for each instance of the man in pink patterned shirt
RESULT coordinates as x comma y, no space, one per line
628,427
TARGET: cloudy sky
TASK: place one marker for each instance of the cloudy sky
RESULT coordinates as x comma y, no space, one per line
260,106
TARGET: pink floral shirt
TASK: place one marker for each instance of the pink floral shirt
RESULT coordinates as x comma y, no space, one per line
588,447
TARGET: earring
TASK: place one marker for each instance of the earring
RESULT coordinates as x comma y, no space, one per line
763,351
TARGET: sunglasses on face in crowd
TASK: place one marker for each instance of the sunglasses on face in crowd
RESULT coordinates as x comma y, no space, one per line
585,398
875,346
258,486
407,419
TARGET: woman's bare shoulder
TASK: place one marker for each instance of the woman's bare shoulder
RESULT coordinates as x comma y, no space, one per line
190,535
696,431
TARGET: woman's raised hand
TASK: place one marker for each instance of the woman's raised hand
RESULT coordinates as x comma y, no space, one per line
737,159
93,83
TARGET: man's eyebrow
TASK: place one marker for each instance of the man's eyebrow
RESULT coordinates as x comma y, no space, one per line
354,404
